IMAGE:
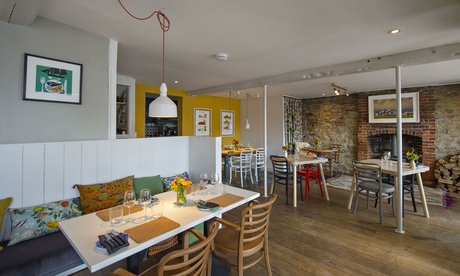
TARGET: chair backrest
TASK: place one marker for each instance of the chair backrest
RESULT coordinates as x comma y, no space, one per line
245,158
367,172
280,166
195,259
254,224
260,157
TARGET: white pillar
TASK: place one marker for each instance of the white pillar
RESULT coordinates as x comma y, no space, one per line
265,141
398,196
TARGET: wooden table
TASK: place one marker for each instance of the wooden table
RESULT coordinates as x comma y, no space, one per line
304,160
82,231
393,170
226,154
335,151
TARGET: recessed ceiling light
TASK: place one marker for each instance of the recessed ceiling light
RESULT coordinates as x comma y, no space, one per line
394,31
176,81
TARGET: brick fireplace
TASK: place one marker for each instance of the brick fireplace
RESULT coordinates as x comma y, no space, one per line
420,135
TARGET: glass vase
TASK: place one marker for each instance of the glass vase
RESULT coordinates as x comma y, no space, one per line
181,198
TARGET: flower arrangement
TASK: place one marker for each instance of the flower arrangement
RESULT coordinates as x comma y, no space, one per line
236,142
180,184
285,147
412,156
317,142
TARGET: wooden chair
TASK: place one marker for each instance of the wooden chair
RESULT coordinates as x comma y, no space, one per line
311,172
241,164
191,260
282,175
368,177
247,240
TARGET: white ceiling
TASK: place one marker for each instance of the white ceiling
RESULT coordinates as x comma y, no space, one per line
270,37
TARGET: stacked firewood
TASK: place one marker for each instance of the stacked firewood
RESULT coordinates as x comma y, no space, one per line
447,173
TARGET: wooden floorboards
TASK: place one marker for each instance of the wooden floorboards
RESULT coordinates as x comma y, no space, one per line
325,238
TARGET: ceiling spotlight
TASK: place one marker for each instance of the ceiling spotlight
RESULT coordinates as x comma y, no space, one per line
337,90
394,31
221,56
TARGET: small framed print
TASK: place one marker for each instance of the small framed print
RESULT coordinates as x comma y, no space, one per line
52,80
227,119
202,122
382,108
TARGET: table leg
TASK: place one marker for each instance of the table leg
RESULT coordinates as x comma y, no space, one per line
352,190
323,180
422,194
226,169
295,185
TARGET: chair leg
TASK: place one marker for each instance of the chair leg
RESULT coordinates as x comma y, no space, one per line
356,200
241,178
413,199
267,258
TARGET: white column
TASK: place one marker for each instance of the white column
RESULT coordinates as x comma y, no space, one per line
265,141
398,196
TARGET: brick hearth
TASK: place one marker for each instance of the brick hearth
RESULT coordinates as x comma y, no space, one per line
426,129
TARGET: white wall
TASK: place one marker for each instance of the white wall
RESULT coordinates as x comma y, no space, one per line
31,121
256,119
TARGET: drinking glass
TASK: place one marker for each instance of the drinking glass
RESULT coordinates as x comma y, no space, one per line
144,198
116,215
214,178
203,182
129,200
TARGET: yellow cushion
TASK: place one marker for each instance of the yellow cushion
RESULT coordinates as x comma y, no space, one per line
4,204
96,197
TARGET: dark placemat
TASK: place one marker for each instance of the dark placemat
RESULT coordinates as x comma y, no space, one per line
104,214
226,199
151,229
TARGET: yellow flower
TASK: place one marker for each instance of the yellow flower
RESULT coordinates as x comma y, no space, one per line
236,142
180,183
412,156
285,147
317,141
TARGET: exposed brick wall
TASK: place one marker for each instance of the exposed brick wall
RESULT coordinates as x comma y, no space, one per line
340,119
426,129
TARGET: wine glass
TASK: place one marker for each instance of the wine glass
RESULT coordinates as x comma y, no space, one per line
144,198
203,182
129,200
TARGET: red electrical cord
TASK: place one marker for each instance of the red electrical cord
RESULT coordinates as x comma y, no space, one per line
164,25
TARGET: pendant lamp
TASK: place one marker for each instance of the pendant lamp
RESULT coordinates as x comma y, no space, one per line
161,107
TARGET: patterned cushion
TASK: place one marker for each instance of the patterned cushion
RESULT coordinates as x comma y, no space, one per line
96,197
35,221
168,179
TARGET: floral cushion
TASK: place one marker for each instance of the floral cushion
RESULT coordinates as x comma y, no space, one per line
167,180
35,221
96,197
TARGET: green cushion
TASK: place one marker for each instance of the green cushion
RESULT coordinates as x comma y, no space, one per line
149,182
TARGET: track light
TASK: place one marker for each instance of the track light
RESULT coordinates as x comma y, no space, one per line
337,89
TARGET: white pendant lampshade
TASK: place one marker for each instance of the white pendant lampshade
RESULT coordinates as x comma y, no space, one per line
163,107
247,124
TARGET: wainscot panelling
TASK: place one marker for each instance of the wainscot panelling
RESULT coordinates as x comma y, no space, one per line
44,172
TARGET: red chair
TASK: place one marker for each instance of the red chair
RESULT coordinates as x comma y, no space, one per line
311,172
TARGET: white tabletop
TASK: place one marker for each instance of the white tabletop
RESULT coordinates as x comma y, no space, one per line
82,232
392,168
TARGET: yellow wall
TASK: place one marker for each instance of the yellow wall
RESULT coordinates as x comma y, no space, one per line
185,111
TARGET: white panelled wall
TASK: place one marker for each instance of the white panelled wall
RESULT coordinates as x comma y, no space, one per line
37,173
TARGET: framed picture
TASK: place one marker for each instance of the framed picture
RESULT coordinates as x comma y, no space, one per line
382,109
227,120
203,122
52,80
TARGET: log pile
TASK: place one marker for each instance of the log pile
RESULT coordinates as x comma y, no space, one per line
447,172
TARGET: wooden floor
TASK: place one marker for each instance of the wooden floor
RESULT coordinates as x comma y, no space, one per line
325,238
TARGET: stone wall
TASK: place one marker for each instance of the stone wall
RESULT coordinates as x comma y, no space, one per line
336,120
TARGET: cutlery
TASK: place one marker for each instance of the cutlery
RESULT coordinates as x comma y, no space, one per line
109,241
42,81
117,237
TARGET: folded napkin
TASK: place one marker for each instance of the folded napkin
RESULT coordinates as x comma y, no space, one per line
226,199
104,214
151,229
